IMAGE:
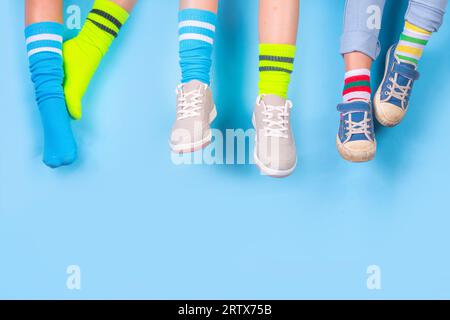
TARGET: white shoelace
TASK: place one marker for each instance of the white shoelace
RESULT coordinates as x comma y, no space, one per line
276,126
398,91
360,127
189,103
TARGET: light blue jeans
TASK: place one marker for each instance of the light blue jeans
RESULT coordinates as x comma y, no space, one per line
363,17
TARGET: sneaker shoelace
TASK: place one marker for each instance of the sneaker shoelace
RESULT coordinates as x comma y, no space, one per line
357,127
276,126
189,103
397,91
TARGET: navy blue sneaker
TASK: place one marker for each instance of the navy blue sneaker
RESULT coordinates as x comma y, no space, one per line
392,97
356,137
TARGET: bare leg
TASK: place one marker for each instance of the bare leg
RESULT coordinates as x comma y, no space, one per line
126,4
209,5
43,10
357,60
278,21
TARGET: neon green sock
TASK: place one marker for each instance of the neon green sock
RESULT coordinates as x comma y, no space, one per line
276,63
83,54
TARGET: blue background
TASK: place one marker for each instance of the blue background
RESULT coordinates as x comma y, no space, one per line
141,227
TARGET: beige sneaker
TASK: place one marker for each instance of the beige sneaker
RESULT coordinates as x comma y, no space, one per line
275,152
195,112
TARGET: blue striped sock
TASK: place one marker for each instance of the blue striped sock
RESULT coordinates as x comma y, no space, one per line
44,46
196,35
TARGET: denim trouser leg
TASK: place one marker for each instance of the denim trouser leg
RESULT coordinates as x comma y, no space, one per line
362,23
426,14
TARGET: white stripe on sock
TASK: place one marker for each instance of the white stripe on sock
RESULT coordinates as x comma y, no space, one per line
356,95
196,23
410,44
44,49
196,36
357,72
417,35
44,36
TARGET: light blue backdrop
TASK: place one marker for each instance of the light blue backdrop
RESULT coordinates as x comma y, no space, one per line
140,227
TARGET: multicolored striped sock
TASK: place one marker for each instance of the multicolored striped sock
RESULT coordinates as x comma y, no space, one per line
357,85
196,35
276,63
412,42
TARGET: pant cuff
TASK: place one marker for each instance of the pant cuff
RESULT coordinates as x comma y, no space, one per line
424,16
357,41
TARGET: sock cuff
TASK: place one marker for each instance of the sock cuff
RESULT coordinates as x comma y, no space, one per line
357,72
414,28
276,58
357,85
198,15
196,28
47,27
277,50
44,37
113,9
412,43
276,63
108,16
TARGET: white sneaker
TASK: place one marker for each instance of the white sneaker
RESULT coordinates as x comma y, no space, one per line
195,112
275,152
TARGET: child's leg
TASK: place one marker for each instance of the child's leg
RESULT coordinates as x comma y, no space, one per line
359,46
275,152
128,5
43,32
422,18
392,98
195,105
83,54
40,11
278,25
208,5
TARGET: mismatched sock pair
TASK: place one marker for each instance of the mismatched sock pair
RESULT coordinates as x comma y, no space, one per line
275,152
61,73
196,35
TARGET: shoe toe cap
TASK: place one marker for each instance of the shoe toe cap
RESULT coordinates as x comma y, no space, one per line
358,151
189,134
389,114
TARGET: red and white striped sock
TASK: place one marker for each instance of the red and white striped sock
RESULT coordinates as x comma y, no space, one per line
357,86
